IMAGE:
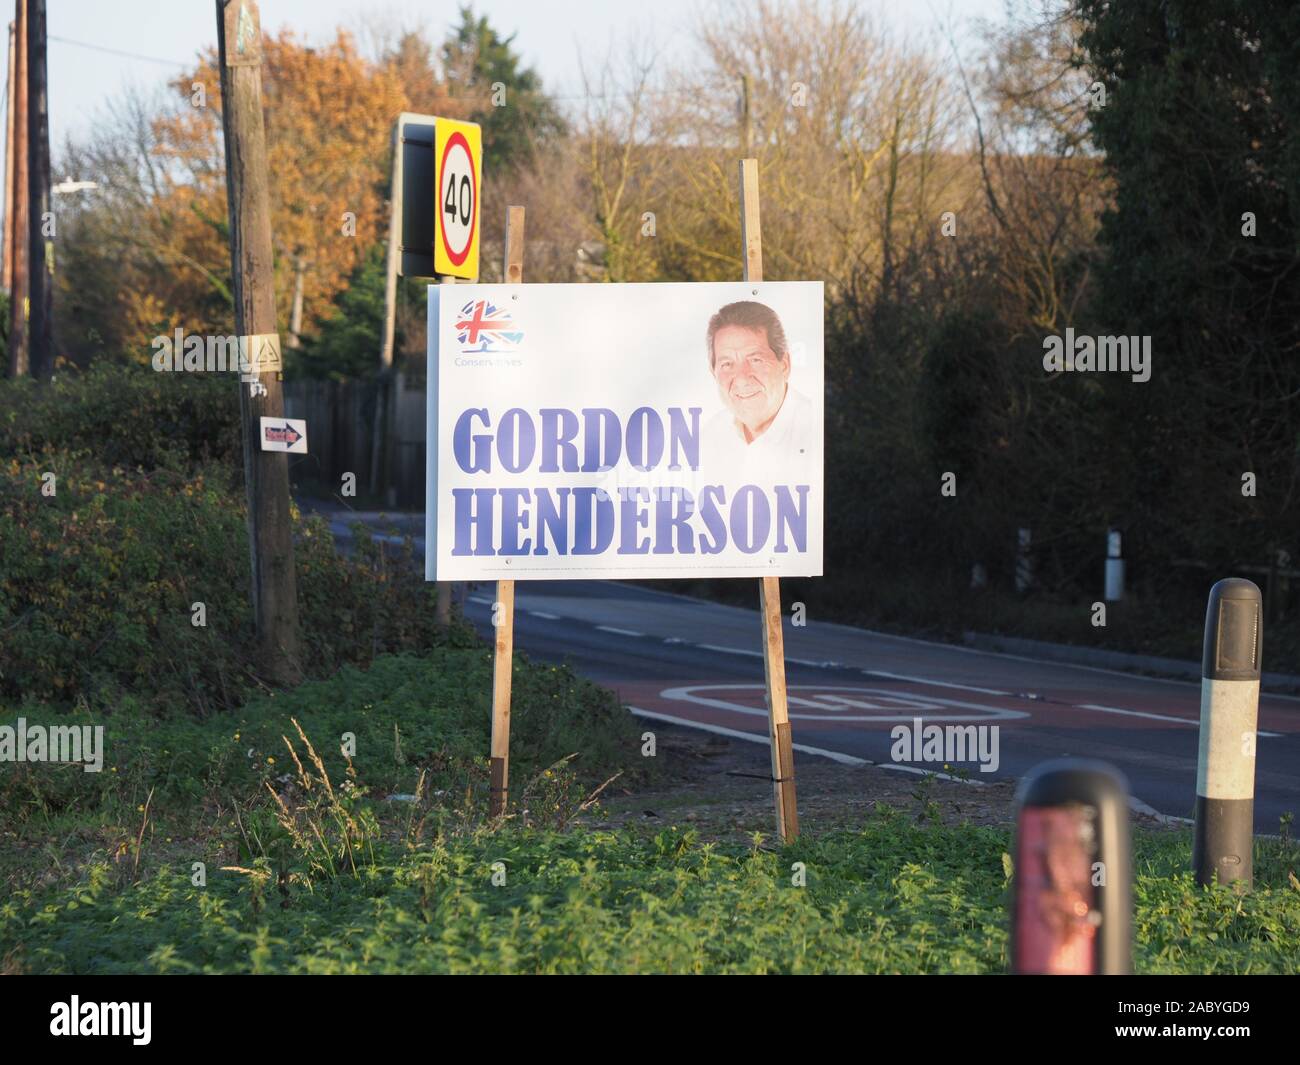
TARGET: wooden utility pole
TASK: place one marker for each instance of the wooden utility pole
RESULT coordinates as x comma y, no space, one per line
266,473
7,280
18,228
503,609
40,216
769,590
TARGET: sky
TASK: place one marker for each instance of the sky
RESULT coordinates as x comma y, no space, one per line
142,43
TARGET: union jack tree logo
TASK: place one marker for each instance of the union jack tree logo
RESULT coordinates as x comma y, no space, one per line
483,328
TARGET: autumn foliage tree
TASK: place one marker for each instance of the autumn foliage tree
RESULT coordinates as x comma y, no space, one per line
153,254
150,252
328,117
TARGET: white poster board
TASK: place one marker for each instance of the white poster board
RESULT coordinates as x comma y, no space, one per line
625,430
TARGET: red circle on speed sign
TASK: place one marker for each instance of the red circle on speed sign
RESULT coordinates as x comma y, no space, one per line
457,199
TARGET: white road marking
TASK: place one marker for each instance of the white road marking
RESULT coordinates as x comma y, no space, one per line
1155,717
878,702
934,683
848,759
916,705
1139,806
720,730
751,653
821,752
927,773
730,650
935,645
619,632
543,614
1036,661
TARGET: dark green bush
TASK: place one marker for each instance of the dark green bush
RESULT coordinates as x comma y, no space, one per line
125,416
409,714
99,581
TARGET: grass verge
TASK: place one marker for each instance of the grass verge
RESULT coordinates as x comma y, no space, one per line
892,897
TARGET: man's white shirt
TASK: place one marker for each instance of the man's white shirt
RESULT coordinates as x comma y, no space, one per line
780,455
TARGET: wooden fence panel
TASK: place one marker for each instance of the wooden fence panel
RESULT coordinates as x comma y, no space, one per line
374,428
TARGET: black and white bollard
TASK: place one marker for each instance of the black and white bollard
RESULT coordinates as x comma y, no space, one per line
1225,768
1071,896
1114,568
1024,561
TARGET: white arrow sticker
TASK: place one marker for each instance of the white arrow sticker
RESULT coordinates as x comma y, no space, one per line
284,434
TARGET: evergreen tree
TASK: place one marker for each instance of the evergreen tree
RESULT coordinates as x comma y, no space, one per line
1201,132
348,342
516,115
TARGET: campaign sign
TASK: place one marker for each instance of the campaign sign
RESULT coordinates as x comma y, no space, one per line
624,431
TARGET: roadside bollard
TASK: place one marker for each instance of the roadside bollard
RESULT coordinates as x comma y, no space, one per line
1071,892
1024,561
1225,766
1114,590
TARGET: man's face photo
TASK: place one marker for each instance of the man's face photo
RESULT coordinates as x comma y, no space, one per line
751,377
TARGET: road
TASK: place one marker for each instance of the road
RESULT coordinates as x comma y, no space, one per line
696,663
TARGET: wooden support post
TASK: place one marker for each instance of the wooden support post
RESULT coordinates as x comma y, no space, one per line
266,473
18,290
40,247
7,280
503,609
443,589
769,592
394,256
442,604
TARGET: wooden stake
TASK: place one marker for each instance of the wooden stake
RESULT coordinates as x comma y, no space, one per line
769,591
503,610
266,473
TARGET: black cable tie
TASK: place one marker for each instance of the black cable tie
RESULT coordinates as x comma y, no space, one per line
760,776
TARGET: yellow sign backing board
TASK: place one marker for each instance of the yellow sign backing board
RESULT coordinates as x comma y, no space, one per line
458,184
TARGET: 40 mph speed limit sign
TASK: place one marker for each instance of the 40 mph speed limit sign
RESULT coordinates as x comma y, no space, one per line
458,178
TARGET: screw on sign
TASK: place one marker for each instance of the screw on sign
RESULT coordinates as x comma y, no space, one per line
458,162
